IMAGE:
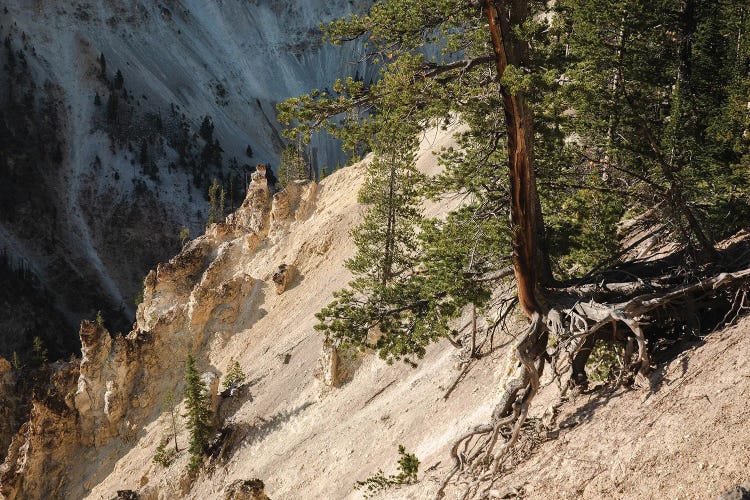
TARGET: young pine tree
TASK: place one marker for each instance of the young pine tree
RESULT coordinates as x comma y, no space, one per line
292,166
216,202
197,415
119,80
385,293
234,378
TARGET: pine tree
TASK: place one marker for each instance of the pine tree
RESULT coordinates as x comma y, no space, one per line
170,407
216,202
576,113
234,377
197,415
249,151
292,166
97,100
16,361
119,80
112,107
207,129
39,352
102,66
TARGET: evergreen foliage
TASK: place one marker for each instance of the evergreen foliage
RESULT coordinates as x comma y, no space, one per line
112,107
234,377
184,234
207,129
197,415
119,80
102,66
216,201
292,166
637,109
16,362
408,467
164,455
38,352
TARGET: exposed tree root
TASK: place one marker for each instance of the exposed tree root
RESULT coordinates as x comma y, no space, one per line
479,454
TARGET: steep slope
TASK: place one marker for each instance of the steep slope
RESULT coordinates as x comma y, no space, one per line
100,174
218,299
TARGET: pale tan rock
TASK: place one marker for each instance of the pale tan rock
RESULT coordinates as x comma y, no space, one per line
283,276
252,489
330,362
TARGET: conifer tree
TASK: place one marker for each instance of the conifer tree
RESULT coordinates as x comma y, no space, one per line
102,66
119,80
197,415
292,166
39,352
576,113
207,129
216,201
112,107
234,378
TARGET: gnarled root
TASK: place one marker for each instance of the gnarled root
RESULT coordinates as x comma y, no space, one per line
476,453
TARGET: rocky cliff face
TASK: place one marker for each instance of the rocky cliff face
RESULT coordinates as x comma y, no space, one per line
200,296
100,173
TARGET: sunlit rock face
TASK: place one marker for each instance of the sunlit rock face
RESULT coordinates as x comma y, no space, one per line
206,293
100,175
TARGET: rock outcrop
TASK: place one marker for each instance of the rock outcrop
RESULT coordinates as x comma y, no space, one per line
8,406
207,289
252,489
283,277
39,453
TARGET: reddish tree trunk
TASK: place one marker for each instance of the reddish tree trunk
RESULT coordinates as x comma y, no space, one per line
530,262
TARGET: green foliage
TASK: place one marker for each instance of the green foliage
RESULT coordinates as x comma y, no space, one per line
292,166
16,362
603,363
164,455
138,298
197,415
216,200
38,352
408,467
97,99
654,88
234,377
99,319
636,107
184,234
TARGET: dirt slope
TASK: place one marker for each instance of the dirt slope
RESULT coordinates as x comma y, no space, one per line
688,437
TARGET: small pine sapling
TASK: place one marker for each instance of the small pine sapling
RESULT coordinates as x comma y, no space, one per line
408,467
234,378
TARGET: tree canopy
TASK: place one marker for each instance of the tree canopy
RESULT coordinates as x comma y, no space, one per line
579,120
620,109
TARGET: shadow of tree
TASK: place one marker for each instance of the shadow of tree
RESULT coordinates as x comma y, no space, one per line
233,435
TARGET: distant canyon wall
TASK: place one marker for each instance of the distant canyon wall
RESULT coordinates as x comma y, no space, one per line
101,171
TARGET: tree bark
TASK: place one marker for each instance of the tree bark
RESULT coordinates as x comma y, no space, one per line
530,260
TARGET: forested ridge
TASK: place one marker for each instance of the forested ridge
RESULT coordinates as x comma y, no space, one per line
591,129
